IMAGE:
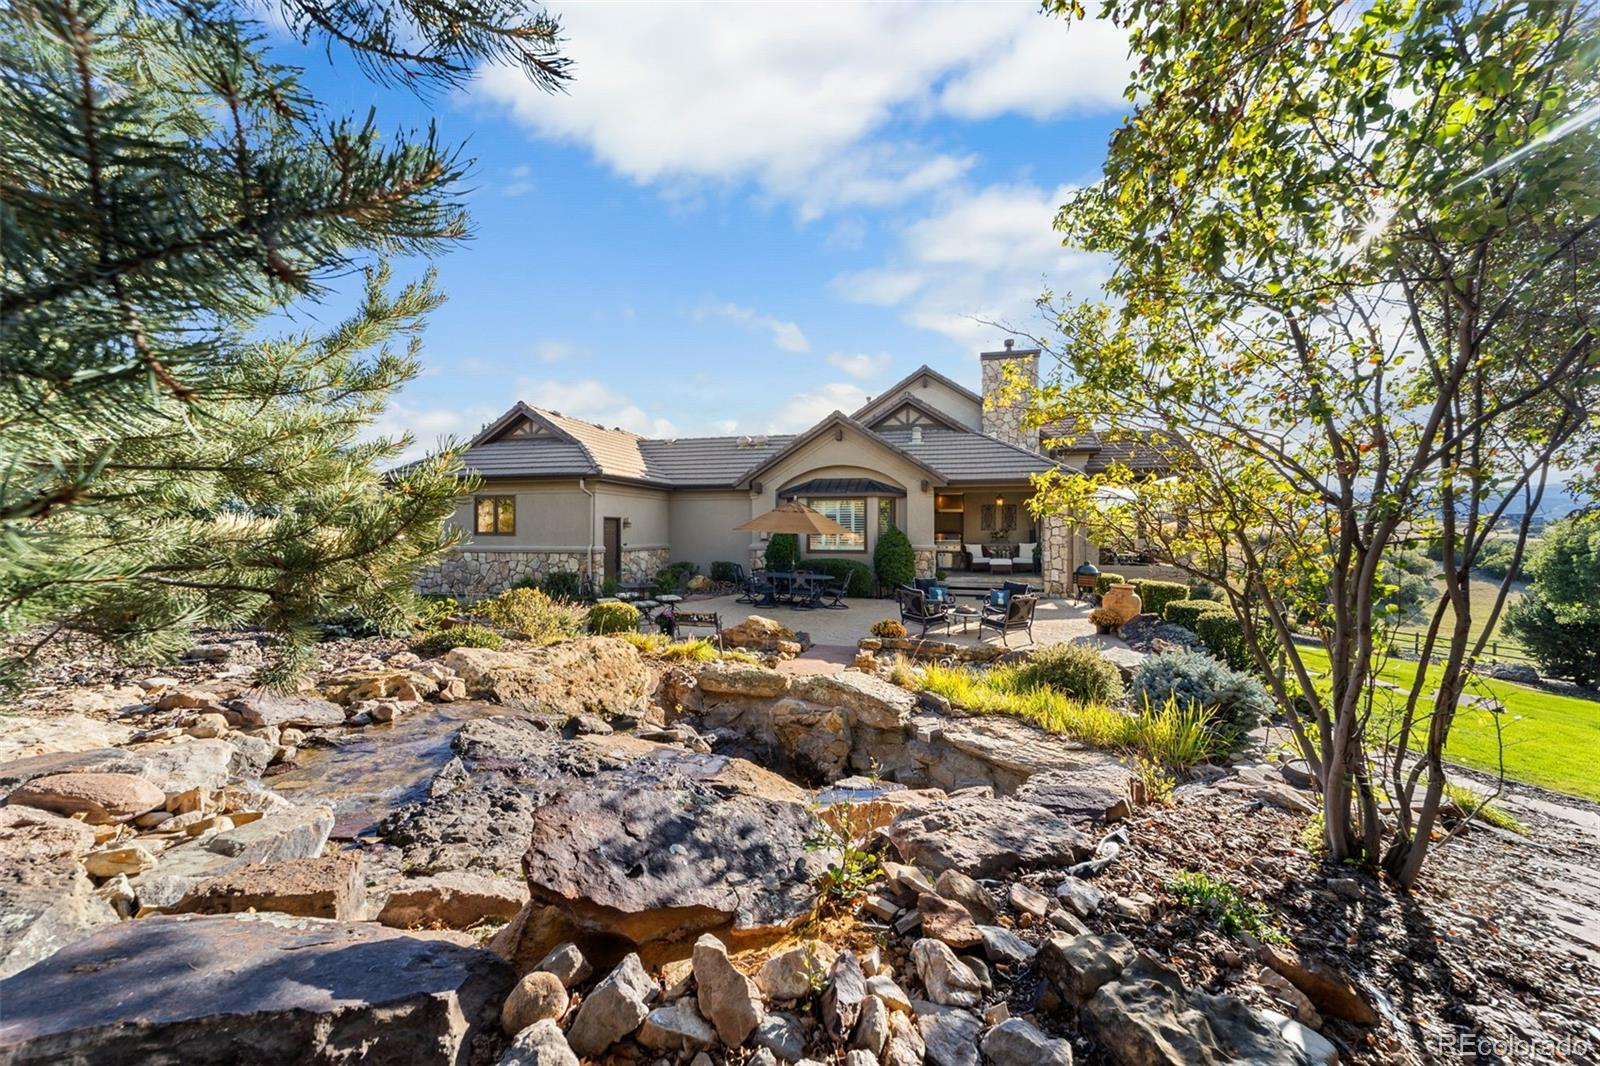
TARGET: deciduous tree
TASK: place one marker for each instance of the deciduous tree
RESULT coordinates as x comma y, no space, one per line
1353,299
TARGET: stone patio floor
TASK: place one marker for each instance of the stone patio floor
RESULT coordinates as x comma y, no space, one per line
834,633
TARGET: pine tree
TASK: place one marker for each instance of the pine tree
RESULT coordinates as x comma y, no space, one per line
165,462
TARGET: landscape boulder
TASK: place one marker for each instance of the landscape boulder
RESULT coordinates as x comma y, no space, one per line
757,632
541,1044
453,899
675,846
46,899
745,680
101,798
261,708
596,674
258,988
614,1009
985,836
326,886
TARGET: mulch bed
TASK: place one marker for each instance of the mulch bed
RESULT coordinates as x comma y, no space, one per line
1473,967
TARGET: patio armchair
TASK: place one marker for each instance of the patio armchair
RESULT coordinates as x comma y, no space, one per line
1017,588
1016,615
1027,556
917,610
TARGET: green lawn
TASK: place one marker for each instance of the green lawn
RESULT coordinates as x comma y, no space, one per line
1550,740
1481,593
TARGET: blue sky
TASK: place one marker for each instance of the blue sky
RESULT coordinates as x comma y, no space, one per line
742,217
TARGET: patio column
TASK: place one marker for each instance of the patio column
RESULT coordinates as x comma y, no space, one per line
1058,558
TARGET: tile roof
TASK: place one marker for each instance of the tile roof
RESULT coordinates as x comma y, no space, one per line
969,456
711,461
570,447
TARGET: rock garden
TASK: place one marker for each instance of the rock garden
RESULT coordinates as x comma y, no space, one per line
577,847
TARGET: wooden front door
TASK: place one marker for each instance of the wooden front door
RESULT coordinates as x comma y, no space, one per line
613,546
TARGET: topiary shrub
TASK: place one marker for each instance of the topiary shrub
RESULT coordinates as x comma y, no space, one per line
1155,595
889,627
533,614
1106,580
1186,613
894,558
1238,700
563,585
783,551
1074,670
857,576
442,640
724,571
612,618
1224,637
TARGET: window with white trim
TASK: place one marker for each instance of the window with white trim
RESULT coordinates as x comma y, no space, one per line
852,515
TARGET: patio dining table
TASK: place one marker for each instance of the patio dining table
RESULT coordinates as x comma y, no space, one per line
796,589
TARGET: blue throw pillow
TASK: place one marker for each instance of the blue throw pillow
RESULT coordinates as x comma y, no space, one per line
999,597
937,593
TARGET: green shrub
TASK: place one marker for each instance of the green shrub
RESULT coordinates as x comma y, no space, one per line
1225,906
1569,650
1223,636
613,618
1155,595
894,558
857,577
431,610
563,585
530,612
724,571
1238,700
442,640
1106,580
1186,613
1074,670
783,551
1201,589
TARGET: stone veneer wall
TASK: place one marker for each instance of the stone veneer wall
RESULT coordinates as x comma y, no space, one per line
471,575
1055,560
1004,420
926,562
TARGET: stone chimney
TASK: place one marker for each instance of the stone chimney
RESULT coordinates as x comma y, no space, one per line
1002,416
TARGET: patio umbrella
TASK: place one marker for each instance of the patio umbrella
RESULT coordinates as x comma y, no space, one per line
792,517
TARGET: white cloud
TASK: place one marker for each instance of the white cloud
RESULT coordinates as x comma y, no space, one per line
553,351
861,367
806,409
978,258
520,183
792,96
786,335
593,401
428,426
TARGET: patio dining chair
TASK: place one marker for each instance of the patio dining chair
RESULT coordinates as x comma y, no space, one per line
755,589
917,610
1016,615
830,594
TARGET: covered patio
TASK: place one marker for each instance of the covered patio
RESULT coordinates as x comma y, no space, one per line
1056,621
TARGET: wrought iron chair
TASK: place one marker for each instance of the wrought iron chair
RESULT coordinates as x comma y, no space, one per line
1016,615
917,610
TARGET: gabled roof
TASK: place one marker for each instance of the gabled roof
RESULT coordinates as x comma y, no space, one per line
837,420
564,447
922,407
905,384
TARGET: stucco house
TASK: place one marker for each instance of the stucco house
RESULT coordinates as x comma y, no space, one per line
949,467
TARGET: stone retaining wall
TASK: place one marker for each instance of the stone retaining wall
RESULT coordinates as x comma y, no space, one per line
472,574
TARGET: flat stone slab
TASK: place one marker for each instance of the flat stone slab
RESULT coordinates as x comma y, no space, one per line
252,989
985,837
170,767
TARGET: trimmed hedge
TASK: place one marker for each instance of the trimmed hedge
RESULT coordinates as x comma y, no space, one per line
613,617
1155,595
1106,580
1074,670
857,576
783,551
1186,613
894,558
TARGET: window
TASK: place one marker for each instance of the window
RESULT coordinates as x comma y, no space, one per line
852,515
496,515
885,514
997,518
